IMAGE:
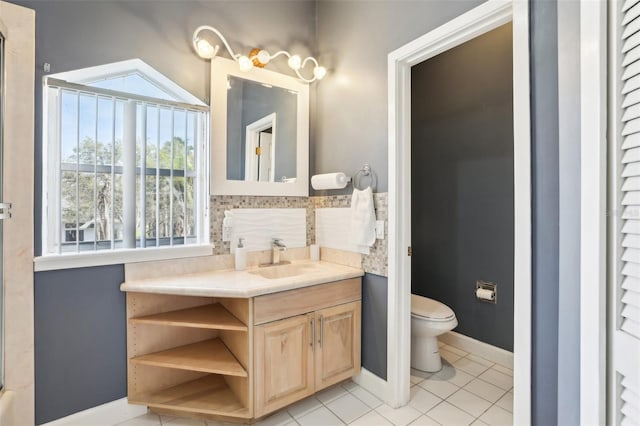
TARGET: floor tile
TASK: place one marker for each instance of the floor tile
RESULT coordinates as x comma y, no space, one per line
449,356
485,390
479,422
148,419
440,387
455,350
350,385
367,397
281,418
496,416
183,421
454,375
348,408
480,360
423,400
506,402
332,393
503,369
417,376
448,415
424,421
320,417
496,378
469,402
305,406
469,366
372,418
399,416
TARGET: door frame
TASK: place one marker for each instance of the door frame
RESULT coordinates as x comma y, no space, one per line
593,200
18,27
252,141
471,24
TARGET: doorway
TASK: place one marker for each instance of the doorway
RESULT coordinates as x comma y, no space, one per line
260,148
478,21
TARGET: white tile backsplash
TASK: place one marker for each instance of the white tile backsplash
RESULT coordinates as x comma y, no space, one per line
259,226
332,229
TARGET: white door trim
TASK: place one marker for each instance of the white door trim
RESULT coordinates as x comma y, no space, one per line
19,24
252,141
593,178
477,21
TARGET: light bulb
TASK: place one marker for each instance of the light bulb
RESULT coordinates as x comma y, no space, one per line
245,63
264,57
205,49
319,72
295,62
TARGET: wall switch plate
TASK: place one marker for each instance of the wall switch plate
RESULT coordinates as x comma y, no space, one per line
226,233
380,229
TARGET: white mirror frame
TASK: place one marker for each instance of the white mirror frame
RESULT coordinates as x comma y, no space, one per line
221,69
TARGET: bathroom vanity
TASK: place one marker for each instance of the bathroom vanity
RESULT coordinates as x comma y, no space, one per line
237,346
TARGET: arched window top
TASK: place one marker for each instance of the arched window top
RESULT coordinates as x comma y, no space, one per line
132,76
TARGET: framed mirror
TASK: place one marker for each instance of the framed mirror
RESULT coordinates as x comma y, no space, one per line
259,132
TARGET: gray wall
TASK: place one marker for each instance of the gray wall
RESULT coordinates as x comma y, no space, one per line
72,35
80,340
462,182
354,40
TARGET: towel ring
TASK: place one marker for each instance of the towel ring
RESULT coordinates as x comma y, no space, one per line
365,178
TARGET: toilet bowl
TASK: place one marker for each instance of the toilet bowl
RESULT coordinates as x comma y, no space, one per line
429,319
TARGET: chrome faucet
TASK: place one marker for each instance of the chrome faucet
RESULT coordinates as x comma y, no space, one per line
277,245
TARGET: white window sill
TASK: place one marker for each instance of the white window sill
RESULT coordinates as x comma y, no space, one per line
114,257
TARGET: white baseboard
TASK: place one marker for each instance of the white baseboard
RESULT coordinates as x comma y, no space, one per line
374,384
106,414
476,347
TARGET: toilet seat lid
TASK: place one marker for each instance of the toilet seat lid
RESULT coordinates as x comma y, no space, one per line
429,308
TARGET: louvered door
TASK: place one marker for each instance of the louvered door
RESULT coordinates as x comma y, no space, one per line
624,306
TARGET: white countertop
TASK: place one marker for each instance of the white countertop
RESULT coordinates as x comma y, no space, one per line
242,284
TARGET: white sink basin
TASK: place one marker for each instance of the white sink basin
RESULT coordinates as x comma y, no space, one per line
283,271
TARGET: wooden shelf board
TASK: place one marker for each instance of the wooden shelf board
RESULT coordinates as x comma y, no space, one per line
213,316
209,356
207,395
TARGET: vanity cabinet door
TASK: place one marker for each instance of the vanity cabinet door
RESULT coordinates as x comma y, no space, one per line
338,344
283,362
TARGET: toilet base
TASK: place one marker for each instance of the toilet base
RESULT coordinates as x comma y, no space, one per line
425,354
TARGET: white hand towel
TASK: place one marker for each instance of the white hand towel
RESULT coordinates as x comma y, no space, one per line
363,218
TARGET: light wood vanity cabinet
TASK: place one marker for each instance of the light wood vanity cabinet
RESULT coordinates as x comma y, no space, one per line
240,359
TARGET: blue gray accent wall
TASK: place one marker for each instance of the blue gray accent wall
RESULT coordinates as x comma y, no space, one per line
462,182
545,216
374,324
80,340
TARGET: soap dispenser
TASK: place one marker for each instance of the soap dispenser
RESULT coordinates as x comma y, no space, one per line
241,256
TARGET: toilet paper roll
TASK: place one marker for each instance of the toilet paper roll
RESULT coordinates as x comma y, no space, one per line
482,293
329,181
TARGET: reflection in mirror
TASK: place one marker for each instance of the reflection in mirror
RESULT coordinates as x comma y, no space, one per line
261,131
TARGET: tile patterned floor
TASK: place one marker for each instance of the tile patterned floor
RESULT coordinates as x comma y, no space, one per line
469,390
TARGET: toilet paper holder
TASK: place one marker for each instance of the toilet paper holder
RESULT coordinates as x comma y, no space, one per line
486,292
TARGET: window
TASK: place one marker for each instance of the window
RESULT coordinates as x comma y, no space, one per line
125,162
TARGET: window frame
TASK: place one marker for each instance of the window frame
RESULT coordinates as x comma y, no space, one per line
51,229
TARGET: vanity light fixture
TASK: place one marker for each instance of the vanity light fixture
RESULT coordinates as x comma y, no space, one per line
256,57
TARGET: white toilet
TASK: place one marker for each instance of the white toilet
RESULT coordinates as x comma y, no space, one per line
429,319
